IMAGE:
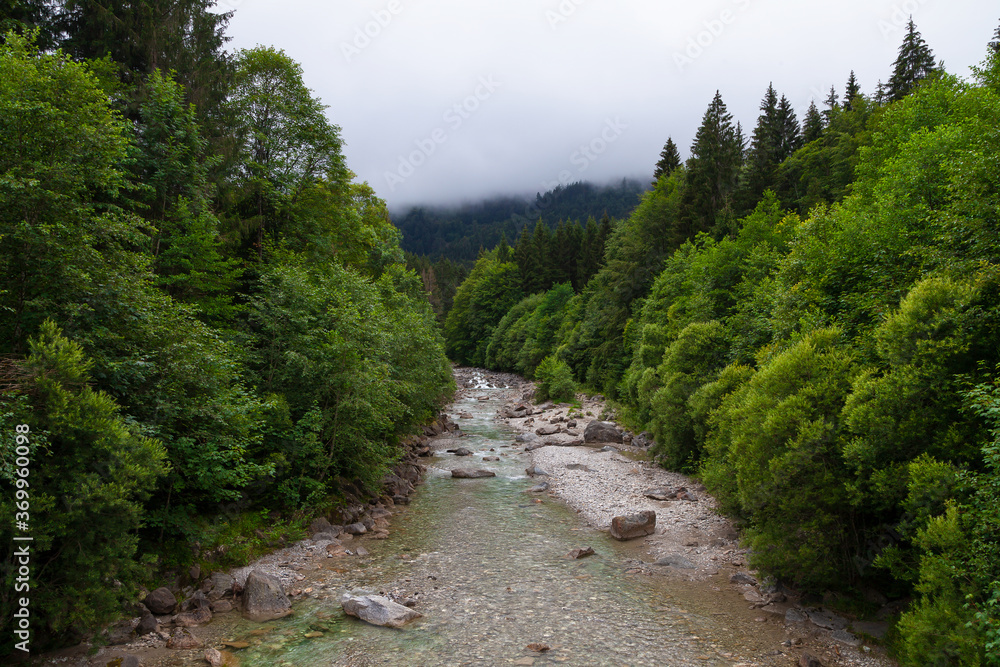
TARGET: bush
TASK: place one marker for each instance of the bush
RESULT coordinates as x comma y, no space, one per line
90,472
555,381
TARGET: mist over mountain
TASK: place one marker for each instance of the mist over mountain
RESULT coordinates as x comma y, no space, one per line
458,232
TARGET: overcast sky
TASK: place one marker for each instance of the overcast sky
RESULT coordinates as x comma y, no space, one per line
450,100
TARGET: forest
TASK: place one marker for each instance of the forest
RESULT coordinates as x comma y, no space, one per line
208,331
458,233
806,319
211,331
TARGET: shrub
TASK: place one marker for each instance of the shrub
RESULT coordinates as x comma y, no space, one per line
555,381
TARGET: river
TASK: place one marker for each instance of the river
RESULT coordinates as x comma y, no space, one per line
487,564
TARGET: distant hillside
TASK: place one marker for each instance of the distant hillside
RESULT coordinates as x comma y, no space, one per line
458,233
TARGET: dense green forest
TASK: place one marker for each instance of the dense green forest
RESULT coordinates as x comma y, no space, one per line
207,328
458,233
808,319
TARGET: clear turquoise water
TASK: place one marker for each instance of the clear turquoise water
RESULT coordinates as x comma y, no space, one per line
488,565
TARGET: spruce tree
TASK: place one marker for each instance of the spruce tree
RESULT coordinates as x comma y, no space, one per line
713,169
503,250
914,63
832,106
670,159
789,133
812,124
24,15
181,36
995,43
851,91
762,158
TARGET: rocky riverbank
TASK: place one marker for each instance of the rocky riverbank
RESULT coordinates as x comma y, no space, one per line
580,456
191,621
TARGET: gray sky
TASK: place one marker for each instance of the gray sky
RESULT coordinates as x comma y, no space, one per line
451,100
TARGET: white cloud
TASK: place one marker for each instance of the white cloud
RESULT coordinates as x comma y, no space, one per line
562,78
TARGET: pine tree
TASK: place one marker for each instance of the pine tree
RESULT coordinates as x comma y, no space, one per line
789,133
24,15
713,169
914,63
181,36
670,159
762,158
776,137
540,278
851,91
812,124
832,106
995,43
881,93
503,250
524,259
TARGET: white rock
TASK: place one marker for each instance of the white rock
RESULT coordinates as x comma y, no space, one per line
377,610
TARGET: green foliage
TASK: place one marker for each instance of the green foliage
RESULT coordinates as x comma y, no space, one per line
90,472
60,147
481,302
713,172
555,381
284,145
670,159
595,347
200,411
778,432
693,359
914,63
172,167
457,233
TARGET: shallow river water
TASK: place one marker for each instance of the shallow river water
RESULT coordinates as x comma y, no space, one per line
489,568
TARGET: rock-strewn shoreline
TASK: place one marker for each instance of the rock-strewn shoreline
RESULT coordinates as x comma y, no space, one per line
691,541
180,629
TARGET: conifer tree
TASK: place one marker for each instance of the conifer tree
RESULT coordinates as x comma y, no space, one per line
540,278
914,63
503,250
22,15
776,137
881,93
851,91
713,169
670,159
762,157
995,43
812,124
524,258
832,103
788,131
180,36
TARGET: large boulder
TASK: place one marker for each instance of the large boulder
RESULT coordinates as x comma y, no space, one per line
598,431
183,639
147,623
631,526
193,618
161,601
377,610
219,585
264,598
551,429
470,473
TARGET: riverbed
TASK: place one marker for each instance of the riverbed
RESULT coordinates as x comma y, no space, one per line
488,566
